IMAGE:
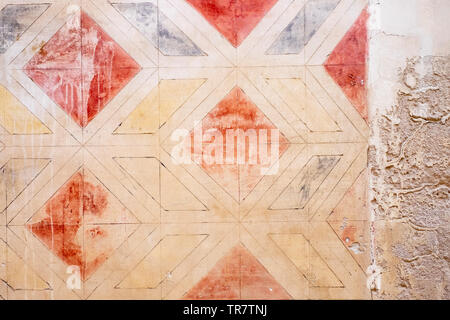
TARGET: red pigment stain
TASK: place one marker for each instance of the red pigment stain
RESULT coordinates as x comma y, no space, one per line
234,19
96,232
106,69
62,51
59,229
352,79
352,49
94,199
348,235
237,111
347,64
354,202
238,275
82,68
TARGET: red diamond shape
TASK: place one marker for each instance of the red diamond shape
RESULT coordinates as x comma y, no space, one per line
82,223
238,275
347,64
81,68
235,19
237,111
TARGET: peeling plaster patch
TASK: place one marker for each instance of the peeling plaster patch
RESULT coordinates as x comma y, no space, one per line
410,167
356,248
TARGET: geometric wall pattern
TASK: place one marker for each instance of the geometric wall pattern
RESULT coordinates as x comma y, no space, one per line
91,94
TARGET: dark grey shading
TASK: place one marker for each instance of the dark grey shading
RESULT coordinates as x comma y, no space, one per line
318,170
303,27
292,39
160,31
306,183
15,19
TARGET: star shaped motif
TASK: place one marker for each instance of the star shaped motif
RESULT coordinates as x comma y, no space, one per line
192,221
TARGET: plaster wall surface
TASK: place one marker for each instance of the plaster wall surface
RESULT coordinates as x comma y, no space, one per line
409,104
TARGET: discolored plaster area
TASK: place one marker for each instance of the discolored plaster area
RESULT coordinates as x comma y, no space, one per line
409,155
411,192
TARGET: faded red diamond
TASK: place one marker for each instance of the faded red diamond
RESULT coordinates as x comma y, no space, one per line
82,223
238,275
237,112
81,68
234,19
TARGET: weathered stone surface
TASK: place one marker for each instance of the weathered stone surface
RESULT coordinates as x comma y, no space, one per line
408,85
411,181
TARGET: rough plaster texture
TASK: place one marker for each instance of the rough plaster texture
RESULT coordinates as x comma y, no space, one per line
409,81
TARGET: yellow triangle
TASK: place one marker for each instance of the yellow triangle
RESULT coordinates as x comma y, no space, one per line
173,196
301,100
305,185
147,117
145,171
161,261
19,174
19,276
174,93
16,118
306,259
